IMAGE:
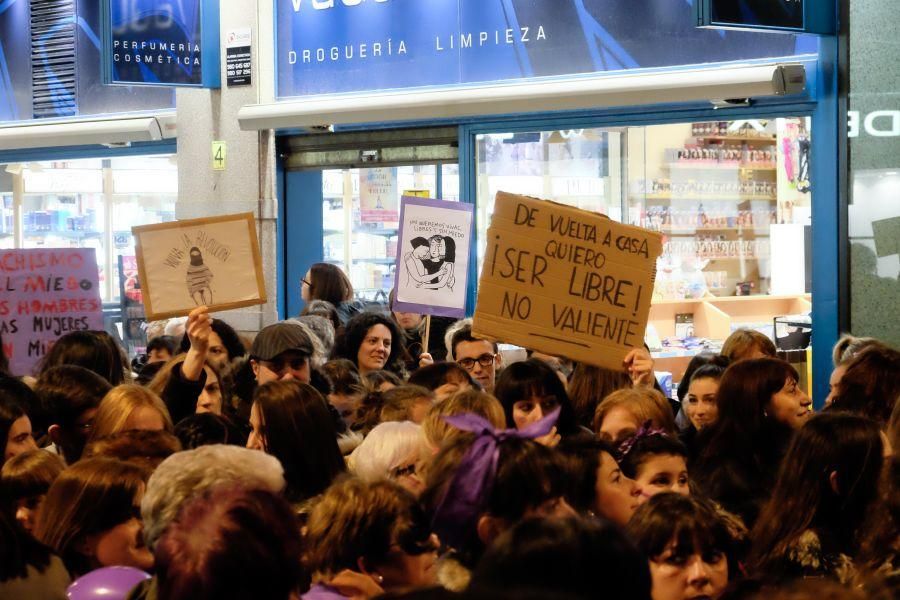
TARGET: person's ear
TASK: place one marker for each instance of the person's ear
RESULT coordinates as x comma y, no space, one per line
489,528
363,565
255,366
833,482
56,435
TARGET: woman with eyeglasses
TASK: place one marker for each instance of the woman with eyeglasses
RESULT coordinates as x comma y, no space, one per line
363,539
325,281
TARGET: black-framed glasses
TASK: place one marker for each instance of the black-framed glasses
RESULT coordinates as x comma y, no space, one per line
485,360
303,280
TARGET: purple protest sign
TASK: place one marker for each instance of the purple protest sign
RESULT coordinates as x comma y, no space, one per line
47,292
433,257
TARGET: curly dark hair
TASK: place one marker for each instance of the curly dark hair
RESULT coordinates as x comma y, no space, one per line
348,343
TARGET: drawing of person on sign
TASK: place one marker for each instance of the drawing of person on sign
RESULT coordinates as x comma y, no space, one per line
430,263
198,279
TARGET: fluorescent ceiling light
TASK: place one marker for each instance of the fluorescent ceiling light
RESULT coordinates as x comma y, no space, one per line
120,131
688,85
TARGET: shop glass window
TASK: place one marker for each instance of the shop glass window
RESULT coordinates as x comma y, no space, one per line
731,199
89,203
361,215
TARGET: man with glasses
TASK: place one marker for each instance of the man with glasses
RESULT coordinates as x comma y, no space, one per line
281,352
480,358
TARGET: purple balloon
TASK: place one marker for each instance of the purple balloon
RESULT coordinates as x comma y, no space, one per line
108,583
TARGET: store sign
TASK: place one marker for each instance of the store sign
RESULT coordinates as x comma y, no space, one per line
167,43
336,46
238,65
565,281
808,16
878,123
47,293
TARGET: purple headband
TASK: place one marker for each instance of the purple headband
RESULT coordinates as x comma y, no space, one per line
644,431
471,485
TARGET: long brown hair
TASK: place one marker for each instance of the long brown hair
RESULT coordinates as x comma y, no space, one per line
299,431
92,496
589,385
329,282
803,498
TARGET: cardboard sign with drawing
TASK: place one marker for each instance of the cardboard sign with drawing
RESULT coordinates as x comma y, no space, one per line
213,261
565,281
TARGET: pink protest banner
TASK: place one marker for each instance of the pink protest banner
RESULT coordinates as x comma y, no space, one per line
46,293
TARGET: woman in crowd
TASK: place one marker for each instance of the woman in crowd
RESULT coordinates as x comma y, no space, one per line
347,388
588,385
473,499
291,421
28,569
91,516
251,548
393,451
406,403
15,426
71,395
381,381
24,481
760,405
597,485
529,391
224,345
328,282
845,350
870,384
368,537
691,551
147,449
700,406
439,432
368,341
828,483
206,428
571,558
130,406
208,392
443,379
656,461
93,350
744,344
621,414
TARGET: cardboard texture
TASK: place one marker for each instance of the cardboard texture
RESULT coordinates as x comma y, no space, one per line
213,261
565,281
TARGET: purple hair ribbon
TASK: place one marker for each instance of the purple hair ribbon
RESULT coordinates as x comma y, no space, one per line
644,431
474,479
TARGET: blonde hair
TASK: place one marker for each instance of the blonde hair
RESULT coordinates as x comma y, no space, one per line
438,432
118,405
849,346
397,403
355,520
646,404
742,342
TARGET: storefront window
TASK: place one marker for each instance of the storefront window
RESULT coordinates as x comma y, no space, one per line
366,203
874,151
726,196
91,203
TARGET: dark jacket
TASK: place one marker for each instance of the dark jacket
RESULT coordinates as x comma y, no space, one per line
180,394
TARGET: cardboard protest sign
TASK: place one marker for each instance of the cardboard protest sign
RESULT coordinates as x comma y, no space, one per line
432,257
565,281
213,261
47,292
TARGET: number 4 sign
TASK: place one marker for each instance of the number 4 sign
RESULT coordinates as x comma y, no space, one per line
218,156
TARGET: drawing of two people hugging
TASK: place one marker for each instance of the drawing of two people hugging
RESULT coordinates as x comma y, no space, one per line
430,263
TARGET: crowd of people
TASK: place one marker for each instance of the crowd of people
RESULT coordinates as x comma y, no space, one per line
349,453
